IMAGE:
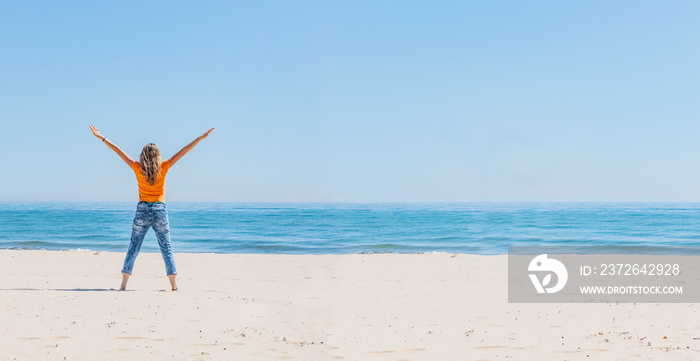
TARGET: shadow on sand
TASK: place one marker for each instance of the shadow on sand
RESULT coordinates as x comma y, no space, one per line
62,289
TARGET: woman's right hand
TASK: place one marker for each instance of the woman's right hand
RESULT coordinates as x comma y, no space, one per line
206,134
96,132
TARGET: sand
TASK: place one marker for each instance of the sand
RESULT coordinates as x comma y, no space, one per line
61,305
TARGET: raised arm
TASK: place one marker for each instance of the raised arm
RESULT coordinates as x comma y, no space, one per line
125,157
188,148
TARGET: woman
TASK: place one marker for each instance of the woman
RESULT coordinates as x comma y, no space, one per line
151,210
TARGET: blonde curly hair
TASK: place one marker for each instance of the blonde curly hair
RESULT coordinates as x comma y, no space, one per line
150,163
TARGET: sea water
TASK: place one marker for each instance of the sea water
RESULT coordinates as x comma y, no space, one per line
338,228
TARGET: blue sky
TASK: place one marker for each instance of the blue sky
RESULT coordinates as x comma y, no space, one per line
353,101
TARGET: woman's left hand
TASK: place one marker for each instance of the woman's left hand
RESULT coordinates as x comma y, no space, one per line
96,132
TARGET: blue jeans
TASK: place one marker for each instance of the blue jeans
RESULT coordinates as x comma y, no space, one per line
150,215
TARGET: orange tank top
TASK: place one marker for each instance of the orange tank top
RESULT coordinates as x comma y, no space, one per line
155,192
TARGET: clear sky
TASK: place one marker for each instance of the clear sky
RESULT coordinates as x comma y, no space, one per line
359,101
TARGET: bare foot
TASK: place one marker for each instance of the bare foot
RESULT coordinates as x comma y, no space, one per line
173,284
125,279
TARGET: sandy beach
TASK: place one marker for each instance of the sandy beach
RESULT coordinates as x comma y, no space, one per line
61,305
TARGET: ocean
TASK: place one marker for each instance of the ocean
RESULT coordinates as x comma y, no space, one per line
340,228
